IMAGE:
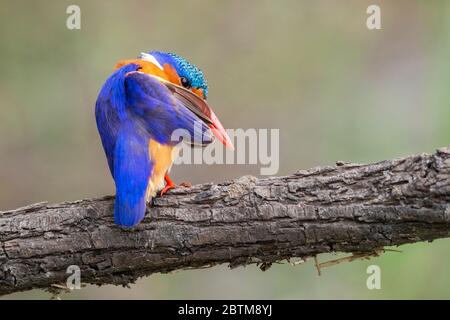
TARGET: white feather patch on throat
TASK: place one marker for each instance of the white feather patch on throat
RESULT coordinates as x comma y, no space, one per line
150,58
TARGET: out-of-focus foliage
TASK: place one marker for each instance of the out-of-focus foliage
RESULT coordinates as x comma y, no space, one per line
336,90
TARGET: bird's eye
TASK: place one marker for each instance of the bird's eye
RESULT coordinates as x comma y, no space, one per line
185,82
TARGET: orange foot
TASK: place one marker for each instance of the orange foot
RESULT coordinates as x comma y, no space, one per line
170,185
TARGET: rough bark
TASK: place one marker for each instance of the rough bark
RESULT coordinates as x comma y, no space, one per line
344,208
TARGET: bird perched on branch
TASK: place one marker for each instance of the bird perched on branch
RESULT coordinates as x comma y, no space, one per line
138,111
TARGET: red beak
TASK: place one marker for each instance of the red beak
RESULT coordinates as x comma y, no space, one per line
199,106
219,131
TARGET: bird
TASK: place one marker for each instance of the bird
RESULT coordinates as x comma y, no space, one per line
139,107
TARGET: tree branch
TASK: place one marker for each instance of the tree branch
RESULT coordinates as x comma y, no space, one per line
343,208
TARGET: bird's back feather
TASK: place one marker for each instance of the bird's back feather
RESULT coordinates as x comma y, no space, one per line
132,171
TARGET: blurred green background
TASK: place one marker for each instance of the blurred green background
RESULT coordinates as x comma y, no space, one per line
336,91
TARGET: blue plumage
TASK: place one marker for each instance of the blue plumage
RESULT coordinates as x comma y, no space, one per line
132,167
110,110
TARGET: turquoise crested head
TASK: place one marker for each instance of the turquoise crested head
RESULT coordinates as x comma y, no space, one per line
190,75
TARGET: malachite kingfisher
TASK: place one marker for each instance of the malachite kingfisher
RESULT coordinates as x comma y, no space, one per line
137,110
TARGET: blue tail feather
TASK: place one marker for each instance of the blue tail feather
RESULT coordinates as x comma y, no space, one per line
132,169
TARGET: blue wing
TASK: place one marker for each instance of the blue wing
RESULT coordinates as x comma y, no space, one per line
162,112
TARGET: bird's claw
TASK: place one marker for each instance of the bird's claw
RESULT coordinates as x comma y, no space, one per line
170,185
174,186
167,187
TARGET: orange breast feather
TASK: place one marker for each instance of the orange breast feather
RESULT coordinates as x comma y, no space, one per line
162,157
